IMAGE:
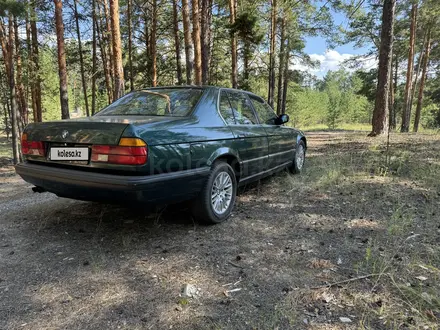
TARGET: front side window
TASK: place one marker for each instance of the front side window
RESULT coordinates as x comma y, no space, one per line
242,109
161,102
264,111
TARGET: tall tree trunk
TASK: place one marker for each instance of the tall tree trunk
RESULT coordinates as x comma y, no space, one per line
187,40
12,95
286,75
419,69
197,43
380,113
5,49
273,29
30,72
147,43
62,70
391,96
19,79
393,113
206,38
109,43
94,57
246,59
177,42
81,59
422,81
232,17
281,64
406,113
5,119
117,51
153,45
104,57
209,40
36,78
130,44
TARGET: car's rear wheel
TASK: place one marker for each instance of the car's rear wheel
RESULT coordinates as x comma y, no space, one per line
217,198
299,159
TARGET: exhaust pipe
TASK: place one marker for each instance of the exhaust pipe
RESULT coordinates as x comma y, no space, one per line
37,189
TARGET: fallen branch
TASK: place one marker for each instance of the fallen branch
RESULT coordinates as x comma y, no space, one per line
345,281
235,265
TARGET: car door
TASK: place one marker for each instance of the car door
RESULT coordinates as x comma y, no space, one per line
282,139
250,137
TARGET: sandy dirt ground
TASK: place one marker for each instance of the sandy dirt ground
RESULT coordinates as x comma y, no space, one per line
348,222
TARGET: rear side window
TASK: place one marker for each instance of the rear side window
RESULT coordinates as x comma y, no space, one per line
177,102
225,109
242,108
265,112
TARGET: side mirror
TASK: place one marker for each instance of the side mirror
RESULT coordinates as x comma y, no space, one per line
282,119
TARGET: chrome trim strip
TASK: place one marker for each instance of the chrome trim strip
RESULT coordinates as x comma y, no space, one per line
254,159
268,156
281,153
266,171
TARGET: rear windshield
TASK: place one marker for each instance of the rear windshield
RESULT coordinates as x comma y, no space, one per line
160,102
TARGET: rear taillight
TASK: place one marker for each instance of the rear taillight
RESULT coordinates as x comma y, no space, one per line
34,148
130,151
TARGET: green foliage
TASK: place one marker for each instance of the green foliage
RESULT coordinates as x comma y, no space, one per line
13,7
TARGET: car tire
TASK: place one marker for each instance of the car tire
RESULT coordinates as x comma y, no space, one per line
299,158
217,198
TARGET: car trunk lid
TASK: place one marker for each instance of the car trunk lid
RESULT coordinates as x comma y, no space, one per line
77,131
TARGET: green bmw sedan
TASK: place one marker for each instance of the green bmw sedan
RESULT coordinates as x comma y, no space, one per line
164,145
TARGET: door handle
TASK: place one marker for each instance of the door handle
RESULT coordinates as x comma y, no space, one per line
241,135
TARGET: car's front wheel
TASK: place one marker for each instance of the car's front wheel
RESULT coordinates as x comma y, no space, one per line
217,198
299,159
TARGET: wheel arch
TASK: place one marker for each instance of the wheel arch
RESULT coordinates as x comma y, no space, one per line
302,138
229,156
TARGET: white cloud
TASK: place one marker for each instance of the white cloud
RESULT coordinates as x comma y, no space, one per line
331,60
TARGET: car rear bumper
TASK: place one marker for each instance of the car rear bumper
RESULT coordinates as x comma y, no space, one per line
83,185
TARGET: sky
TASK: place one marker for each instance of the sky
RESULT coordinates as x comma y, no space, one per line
331,59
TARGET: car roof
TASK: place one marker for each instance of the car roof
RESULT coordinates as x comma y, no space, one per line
197,87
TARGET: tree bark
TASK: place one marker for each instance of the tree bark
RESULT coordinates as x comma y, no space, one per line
391,95
109,43
153,45
62,70
94,57
281,64
29,66
419,67
406,113
117,51
35,59
147,43
81,59
19,79
206,38
177,43
422,82
197,43
130,44
393,123
12,93
380,113
187,40
271,91
104,57
286,75
232,17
